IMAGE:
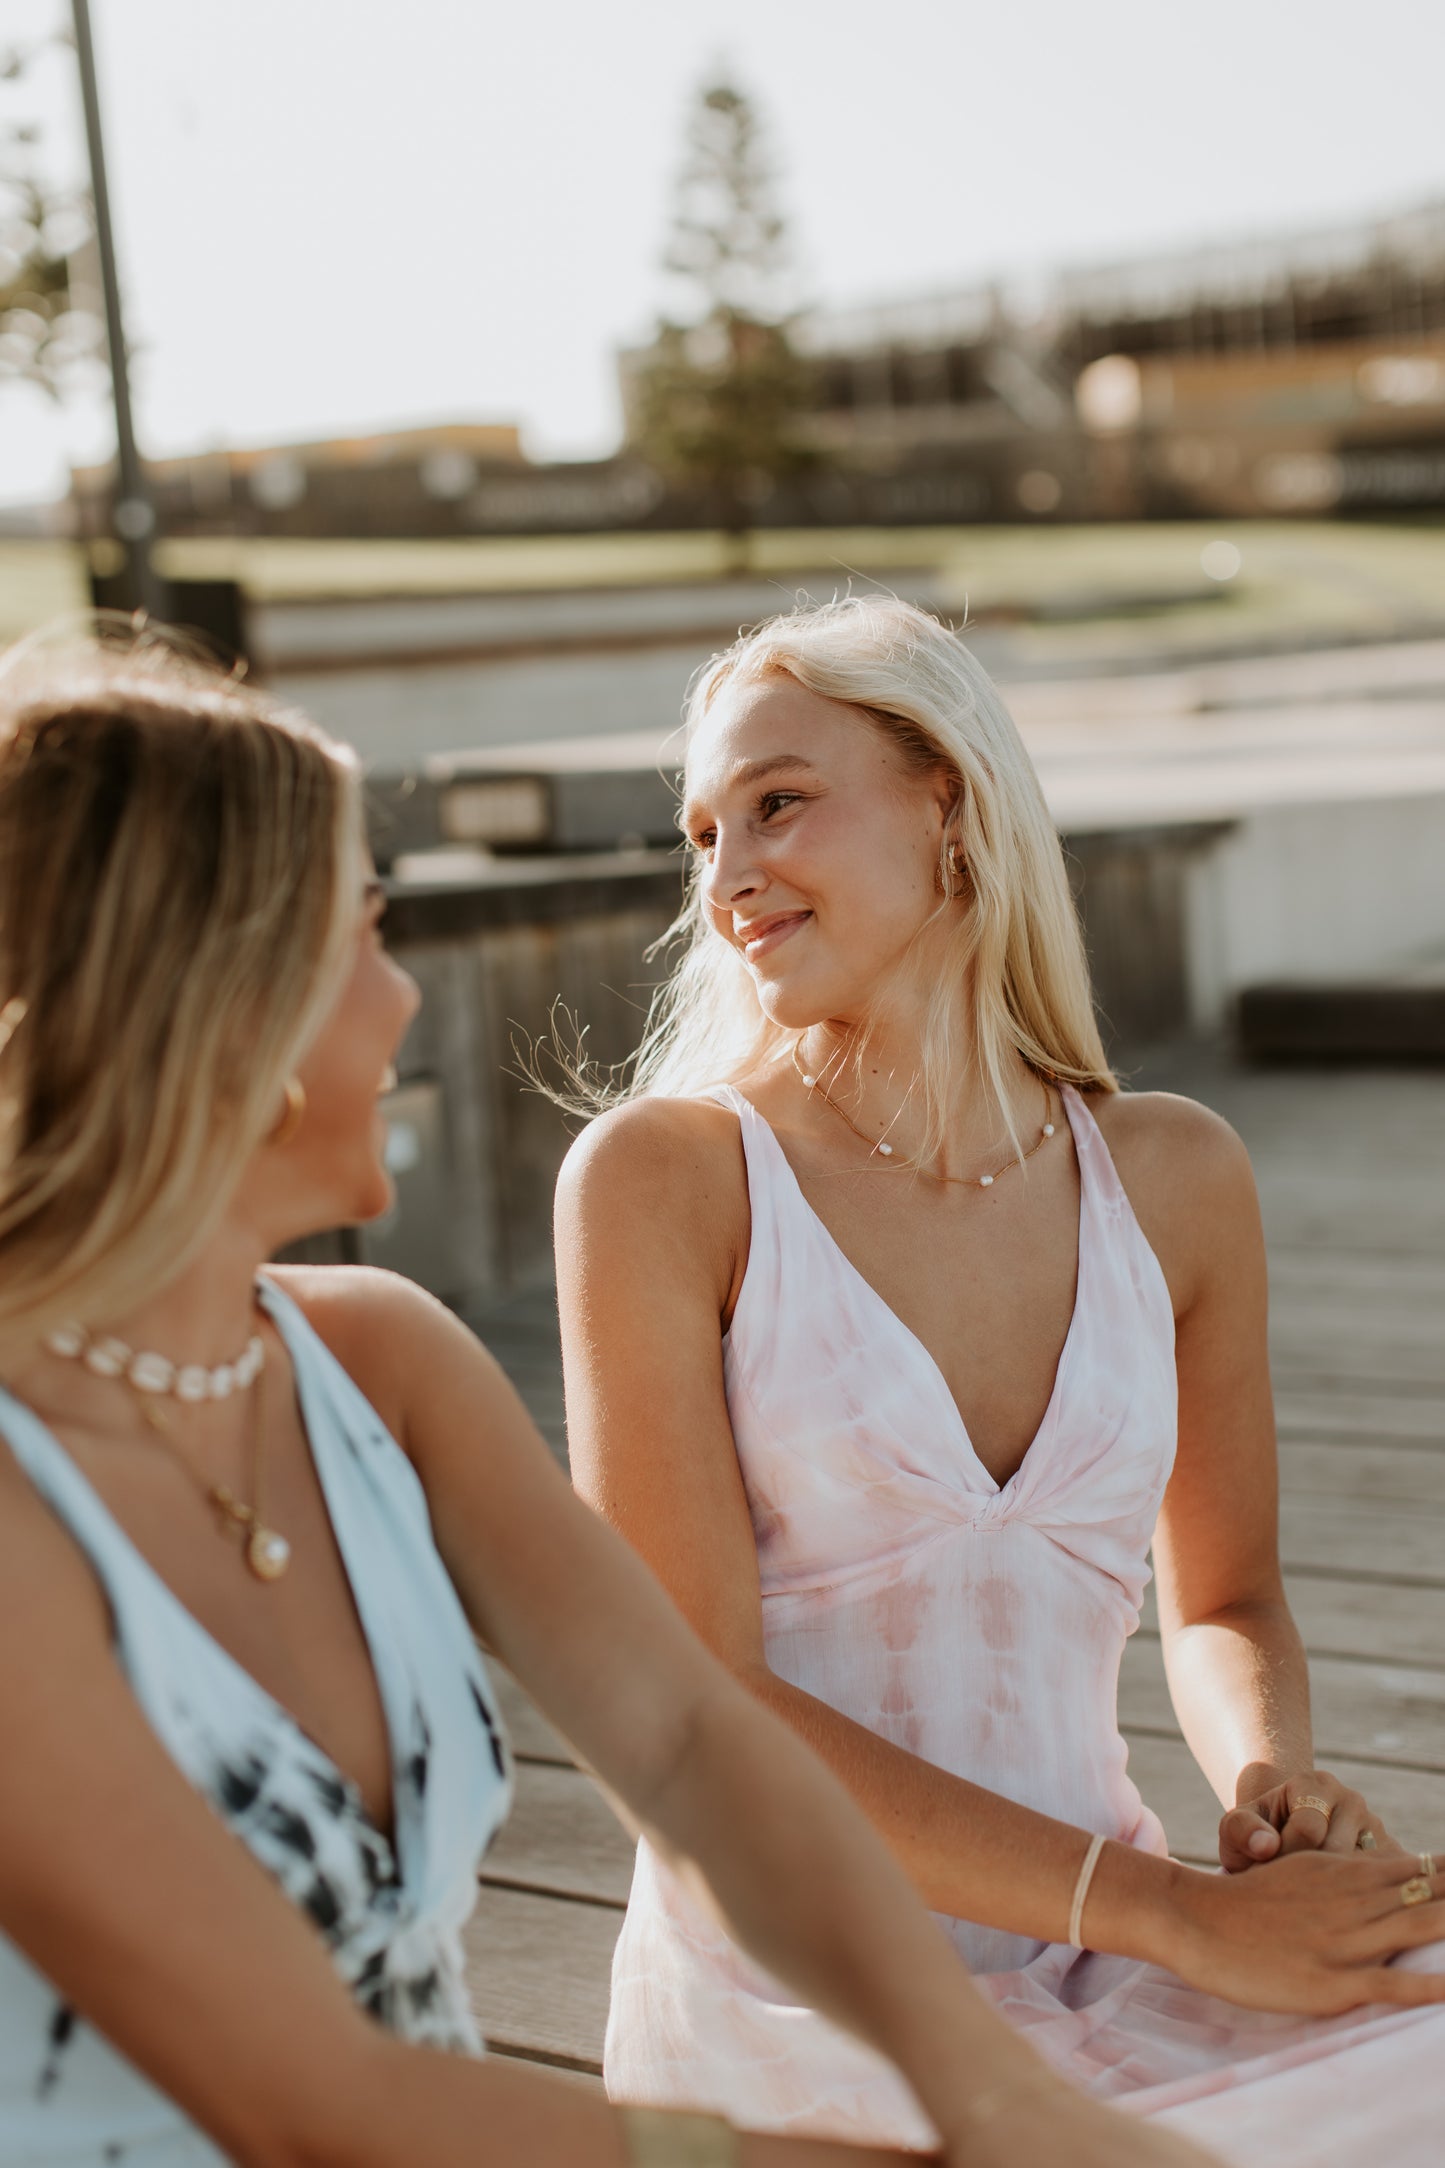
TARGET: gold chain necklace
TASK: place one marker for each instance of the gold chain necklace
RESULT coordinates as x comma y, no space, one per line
265,1550
884,1150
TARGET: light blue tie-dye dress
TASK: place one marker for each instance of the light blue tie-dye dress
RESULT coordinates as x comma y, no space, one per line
389,1911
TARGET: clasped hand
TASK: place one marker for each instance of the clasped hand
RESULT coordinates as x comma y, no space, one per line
1313,1812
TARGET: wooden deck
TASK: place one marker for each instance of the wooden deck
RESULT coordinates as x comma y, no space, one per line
1351,1169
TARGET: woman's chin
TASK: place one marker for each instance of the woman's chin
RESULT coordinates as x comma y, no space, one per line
798,1006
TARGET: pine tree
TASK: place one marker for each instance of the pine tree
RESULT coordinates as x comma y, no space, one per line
716,400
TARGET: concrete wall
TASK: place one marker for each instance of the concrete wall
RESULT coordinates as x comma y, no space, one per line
1348,890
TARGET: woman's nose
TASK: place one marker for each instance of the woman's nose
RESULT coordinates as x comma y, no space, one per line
732,872
408,993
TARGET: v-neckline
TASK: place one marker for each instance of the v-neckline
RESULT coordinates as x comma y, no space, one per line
926,1359
275,1302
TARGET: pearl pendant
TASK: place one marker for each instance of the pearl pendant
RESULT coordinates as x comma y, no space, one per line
810,1081
267,1554
886,1150
1048,1129
985,1181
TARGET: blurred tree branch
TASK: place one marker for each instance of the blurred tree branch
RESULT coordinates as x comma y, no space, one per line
44,334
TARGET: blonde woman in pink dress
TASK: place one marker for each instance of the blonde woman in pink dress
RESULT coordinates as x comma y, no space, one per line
894,1334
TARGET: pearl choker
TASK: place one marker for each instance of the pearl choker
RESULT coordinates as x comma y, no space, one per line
150,1373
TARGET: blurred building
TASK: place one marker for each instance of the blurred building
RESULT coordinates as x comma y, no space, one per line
399,482
1280,375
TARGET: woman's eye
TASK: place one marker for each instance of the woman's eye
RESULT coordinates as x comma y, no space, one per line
703,841
775,801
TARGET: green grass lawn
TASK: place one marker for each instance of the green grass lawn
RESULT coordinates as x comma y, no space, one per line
1077,590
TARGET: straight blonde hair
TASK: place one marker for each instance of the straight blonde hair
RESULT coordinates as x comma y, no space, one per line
180,870
1017,982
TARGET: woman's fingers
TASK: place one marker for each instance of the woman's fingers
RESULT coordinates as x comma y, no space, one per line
1246,1838
1403,1917
1322,1814
1405,1989
1347,1824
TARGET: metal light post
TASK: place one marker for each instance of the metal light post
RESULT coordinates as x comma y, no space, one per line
133,515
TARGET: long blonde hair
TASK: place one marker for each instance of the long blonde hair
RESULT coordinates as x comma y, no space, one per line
1017,945
180,864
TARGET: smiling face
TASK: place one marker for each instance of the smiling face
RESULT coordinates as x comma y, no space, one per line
331,1172
820,848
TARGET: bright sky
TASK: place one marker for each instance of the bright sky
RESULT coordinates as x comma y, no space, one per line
334,217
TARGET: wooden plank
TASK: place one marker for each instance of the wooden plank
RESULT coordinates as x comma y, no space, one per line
1412,1802
1306,1207
1411,1476
564,2070
1384,1365
1411,1285
563,1838
1318,1412
1348,1617
1356,1536
538,1969
1368,1315
1390,1713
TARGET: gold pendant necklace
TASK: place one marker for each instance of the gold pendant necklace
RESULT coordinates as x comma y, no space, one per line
884,1150
265,1550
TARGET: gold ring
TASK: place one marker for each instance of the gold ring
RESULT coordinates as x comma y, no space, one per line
1365,1842
1419,1890
1321,1806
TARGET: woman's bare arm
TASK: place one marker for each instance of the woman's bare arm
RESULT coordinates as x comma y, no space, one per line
156,1925
725,1792
1236,1664
652,1222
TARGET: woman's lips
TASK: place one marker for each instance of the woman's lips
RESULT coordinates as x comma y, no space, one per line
772,933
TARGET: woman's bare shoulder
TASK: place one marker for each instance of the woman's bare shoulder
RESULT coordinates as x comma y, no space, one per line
655,1194
656,1152
1162,1132
1187,1175
384,1331
341,1302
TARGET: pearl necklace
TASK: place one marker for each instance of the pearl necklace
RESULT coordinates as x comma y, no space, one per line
107,1357
884,1150
150,1377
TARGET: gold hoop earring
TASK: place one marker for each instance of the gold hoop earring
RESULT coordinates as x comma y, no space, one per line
949,876
293,1114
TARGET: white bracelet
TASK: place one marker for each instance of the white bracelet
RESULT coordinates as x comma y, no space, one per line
1081,1892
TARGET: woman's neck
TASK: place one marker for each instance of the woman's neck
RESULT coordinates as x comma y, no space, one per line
874,1075
205,1315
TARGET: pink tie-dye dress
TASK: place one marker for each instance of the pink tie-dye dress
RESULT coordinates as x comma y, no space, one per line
981,1627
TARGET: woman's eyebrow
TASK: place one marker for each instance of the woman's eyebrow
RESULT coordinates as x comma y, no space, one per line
748,771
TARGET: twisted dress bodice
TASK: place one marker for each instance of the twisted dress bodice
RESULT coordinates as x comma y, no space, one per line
904,1586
